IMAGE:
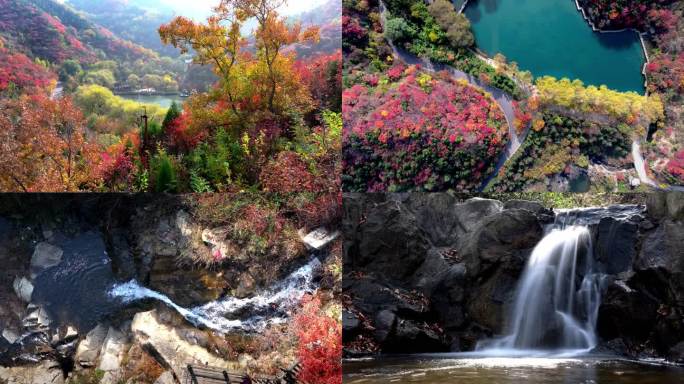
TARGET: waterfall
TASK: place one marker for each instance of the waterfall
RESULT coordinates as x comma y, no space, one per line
229,313
557,299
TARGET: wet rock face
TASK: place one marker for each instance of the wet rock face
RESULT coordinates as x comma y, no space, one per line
391,243
615,244
431,265
444,219
662,248
430,271
162,243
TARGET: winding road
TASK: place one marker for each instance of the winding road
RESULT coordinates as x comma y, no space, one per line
57,92
504,100
640,166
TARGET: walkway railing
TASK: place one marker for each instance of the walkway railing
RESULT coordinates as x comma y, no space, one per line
198,374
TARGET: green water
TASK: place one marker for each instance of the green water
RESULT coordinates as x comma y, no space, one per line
163,100
550,37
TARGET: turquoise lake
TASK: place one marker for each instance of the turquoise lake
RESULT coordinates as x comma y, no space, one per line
550,37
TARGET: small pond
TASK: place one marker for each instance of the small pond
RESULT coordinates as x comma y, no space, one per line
550,37
163,100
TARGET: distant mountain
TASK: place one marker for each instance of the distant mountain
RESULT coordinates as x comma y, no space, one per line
134,20
139,20
329,17
53,32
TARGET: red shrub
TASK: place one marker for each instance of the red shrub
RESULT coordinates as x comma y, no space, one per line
324,210
320,344
676,166
352,29
22,72
422,133
288,173
323,76
180,136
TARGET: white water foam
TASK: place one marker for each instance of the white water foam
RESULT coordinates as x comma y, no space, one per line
557,300
271,306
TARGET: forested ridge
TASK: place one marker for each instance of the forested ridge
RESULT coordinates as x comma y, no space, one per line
564,134
264,116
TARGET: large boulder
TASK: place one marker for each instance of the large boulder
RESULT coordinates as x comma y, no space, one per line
10,335
448,296
489,300
444,219
47,372
412,336
501,236
626,313
45,256
23,288
662,248
384,324
616,244
350,325
666,205
532,206
429,274
88,350
371,297
391,243
162,244
112,354
163,339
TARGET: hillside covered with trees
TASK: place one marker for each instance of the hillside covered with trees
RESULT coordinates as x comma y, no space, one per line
270,120
562,134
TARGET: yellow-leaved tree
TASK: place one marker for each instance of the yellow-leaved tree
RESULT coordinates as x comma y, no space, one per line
256,74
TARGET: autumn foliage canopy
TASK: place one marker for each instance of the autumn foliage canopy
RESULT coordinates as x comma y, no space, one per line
421,132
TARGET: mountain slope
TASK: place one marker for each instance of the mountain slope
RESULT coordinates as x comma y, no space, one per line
129,21
50,31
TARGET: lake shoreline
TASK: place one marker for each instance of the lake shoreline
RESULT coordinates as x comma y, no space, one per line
122,94
581,10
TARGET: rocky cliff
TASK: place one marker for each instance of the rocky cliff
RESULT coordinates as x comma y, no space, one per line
434,272
60,256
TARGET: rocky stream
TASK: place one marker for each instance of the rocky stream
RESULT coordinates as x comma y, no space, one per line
98,290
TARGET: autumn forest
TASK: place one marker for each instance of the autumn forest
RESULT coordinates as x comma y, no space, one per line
257,114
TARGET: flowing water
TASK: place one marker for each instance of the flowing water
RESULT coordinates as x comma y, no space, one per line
557,301
558,297
550,331
227,314
82,291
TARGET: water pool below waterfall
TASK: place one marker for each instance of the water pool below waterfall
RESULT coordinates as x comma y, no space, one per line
550,334
472,370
